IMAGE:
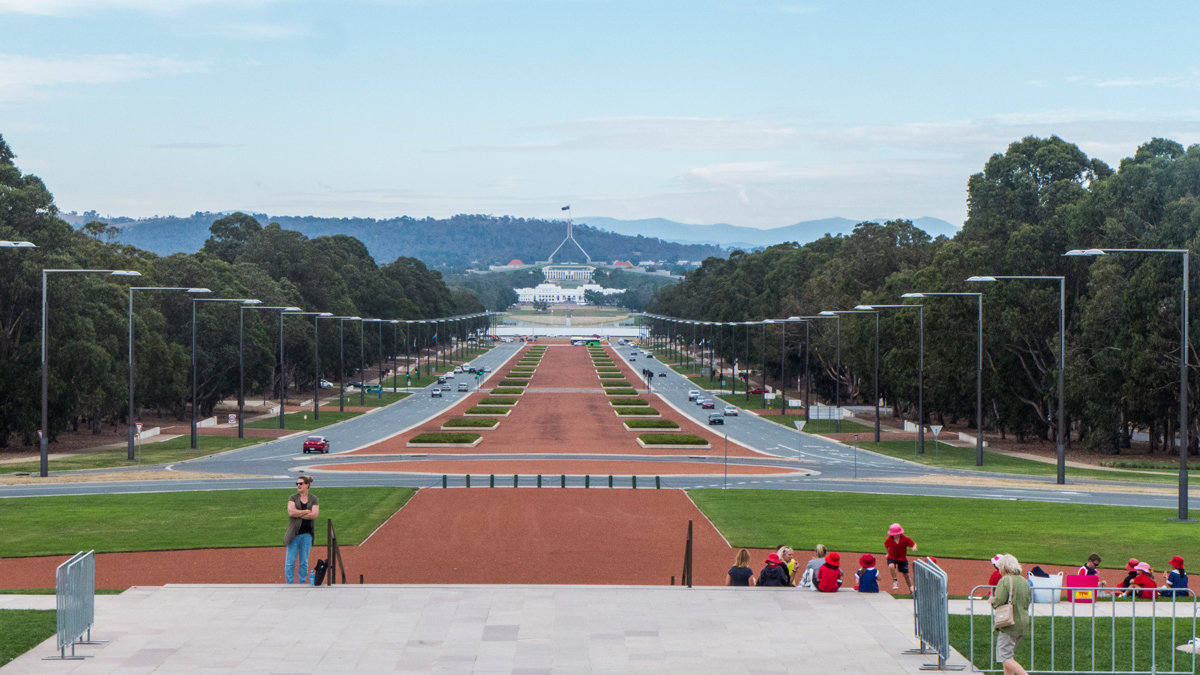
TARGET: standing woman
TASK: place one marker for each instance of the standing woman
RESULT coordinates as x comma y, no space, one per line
1011,588
302,510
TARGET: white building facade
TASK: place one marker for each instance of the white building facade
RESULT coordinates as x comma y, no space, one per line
568,272
555,294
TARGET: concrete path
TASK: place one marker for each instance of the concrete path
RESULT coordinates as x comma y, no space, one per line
491,629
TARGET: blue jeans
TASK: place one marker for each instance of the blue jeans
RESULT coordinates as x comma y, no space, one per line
300,546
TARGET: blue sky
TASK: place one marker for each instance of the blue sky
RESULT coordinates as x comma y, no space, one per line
752,113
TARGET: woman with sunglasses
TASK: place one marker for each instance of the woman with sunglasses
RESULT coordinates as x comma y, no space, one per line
302,510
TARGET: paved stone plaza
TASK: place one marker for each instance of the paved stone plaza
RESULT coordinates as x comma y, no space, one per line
491,629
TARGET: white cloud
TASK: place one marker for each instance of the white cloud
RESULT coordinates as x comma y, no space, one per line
71,7
658,133
20,76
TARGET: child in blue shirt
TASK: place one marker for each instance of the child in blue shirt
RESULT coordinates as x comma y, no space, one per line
1176,578
866,579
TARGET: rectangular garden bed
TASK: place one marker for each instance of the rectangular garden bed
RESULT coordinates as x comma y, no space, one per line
498,401
513,383
445,440
621,391
655,425
636,412
507,391
487,411
627,402
463,424
614,383
679,441
611,376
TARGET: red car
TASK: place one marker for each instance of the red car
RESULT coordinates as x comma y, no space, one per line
316,444
708,405
758,391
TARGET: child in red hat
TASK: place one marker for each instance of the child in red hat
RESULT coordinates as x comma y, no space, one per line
1176,578
829,576
866,579
897,546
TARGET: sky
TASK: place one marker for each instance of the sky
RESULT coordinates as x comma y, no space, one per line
752,113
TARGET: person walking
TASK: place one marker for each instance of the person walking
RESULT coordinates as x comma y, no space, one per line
302,510
1014,590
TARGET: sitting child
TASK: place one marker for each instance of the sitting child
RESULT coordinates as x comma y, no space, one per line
1144,579
1176,579
866,579
829,577
1130,573
775,573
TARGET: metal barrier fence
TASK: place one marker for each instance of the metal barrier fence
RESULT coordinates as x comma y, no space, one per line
75,593
1100,606
931,613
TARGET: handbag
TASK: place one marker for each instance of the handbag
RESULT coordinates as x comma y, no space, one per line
1003,616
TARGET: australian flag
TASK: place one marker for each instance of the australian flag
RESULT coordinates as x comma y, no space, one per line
567,207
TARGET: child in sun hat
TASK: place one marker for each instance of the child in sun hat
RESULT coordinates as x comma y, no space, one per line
1144,579
775,573
829,577
1176,578
1130,573
897,546
866,579
996,575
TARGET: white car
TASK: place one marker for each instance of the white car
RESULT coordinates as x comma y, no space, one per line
458,370
693,394
731,411
449,376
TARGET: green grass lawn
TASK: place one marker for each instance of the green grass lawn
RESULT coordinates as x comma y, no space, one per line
23,629
173,450
1132,640
672,439
636,411
651,424
755,402
1040,532
35,526
377,400
471,422
297,421
445,437
51,591
952,457
621,391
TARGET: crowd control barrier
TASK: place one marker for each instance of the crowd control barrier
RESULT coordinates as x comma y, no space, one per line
1092,630
931,612
75,594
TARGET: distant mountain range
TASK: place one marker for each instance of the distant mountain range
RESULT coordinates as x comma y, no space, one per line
736,236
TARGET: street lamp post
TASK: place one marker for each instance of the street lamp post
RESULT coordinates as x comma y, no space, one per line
317,316
876,378
363,398
920,367
978,370
195,371
242,362
1183,360
342,360
1062,362
837,379
132,428
44,440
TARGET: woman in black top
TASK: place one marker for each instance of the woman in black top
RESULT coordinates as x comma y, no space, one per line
302,510
740,574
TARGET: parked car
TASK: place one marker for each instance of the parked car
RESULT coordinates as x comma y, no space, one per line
716,418
708,404
693,394
435,393
463,386
663,374
316,444
758,391
326,384
731,410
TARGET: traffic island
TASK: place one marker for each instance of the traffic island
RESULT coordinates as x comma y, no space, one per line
508,391
498,401
674,441
444,440
627,402
621,391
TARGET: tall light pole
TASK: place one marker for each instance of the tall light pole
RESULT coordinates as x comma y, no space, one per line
1062,361
978,369
920,367
837,379
379,323
132,430
242,362
876,378
317,316
342,360
45,430
1183,360
195,371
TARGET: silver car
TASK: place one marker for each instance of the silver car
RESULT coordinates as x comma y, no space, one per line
731,411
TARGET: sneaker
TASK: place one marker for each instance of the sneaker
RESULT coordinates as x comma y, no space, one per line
895,585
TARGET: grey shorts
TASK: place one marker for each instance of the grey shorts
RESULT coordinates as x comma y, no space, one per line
1006,645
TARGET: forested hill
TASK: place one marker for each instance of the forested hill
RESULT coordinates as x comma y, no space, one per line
456,242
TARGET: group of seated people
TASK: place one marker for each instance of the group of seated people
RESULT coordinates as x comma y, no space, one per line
1139,575
822,573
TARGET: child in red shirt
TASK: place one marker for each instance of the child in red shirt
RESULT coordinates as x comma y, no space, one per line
829,575
897,546
1144,580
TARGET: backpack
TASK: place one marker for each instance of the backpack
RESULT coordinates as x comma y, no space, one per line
806,579
319,572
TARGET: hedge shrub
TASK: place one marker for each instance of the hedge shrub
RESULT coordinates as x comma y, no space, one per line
613,383
487,410
498,401
627,401
637,411
652,424
475,422
672,439
445,437
513,383
618,391
508,391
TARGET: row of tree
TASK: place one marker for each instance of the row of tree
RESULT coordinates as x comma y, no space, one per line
1029,205
88,325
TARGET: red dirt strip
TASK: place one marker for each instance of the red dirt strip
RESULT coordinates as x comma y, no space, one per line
552,468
